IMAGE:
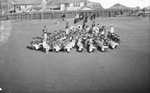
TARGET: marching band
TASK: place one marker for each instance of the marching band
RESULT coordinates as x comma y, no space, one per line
81,38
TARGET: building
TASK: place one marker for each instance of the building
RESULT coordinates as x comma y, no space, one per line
71,4
92,6
147,8
86,8
78,5
119,6
67,5
61,5
48,5
24,5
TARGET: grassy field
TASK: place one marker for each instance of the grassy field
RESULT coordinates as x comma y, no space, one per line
124,70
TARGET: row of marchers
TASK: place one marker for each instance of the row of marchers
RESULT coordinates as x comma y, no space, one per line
78,38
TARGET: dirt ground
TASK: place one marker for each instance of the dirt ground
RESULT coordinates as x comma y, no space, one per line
124,70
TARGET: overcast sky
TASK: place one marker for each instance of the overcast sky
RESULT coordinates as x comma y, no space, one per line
129,3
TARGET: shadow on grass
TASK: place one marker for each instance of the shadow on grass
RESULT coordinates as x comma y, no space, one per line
42,50
31,48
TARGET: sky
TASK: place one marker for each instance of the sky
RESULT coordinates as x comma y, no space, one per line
129,3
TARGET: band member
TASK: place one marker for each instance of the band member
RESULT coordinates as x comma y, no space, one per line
98,25
88,29
44,29
84,25
73,28
111,29
85,20
93,16
95,29
79,27
33,41
67,27
45,37
35,44
93,24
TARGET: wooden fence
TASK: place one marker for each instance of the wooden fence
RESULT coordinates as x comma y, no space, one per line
58,14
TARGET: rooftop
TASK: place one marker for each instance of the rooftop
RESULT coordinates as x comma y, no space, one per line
24,2
118,6
70,1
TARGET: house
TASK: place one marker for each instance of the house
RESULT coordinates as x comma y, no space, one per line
92,6
60,5
71,4
78,5
24,5
137,8
86,8
118,6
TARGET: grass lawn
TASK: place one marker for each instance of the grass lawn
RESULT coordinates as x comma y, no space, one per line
124,70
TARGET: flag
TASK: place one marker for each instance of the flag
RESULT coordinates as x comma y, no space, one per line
93,16
81,16
77,20
63,17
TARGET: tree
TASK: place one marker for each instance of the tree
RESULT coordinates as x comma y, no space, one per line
44,4
6,6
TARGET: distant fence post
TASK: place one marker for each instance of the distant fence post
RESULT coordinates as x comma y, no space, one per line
36,16
72,14
52,15
8,16
109,14
121,12
98,14
19,17
42,15
30,16
49,15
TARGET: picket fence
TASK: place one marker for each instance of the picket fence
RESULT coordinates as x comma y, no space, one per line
58,14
